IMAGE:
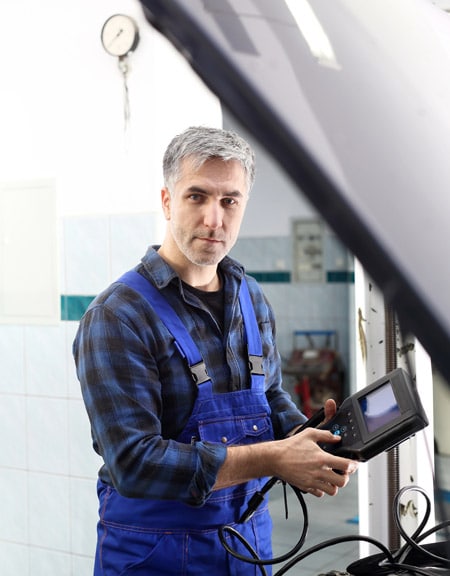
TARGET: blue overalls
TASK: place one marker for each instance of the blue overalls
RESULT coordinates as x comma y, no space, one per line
141,537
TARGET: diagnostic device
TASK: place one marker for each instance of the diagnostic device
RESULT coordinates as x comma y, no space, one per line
371,421
376,418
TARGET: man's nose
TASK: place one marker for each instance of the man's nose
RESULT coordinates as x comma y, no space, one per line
213,215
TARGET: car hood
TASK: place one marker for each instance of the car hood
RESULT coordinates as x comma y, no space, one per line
352,99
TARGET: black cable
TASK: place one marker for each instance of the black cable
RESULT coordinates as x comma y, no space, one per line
290,555
256,500
333,542
411,541
268,561
396,507
436,528
390,560
247,545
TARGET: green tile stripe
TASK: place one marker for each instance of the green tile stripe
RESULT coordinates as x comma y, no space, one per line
341,276
285,277
73,307
271,276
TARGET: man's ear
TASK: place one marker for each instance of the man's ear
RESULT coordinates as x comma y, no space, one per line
165,202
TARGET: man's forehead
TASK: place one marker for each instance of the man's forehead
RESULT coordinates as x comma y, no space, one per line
215,169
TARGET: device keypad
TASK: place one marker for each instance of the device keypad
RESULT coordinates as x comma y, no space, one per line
345,427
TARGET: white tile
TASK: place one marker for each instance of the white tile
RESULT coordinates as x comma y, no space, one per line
87,262
15,560
84,461
131,235
45,357
13,432
45,562
82,566
49,509
13,506
48,435
12,359
83,516
73,385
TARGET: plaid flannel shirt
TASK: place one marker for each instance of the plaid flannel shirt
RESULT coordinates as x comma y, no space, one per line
139,392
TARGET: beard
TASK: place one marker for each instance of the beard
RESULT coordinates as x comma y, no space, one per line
202,248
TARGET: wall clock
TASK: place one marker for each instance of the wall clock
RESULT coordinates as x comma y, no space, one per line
120,35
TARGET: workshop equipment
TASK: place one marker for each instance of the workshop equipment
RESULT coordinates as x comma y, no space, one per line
317,368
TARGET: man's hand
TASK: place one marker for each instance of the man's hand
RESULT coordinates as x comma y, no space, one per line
330,409
307,466
298,460
328,477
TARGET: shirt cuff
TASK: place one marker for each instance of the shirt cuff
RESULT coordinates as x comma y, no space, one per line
210,458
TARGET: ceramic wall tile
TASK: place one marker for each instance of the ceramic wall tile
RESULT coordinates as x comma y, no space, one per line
82,565
15,559
45,358
45,562
84,461
13,431
49,512
12,359
48,436
83,516
131,234
13,506
73,385
87,250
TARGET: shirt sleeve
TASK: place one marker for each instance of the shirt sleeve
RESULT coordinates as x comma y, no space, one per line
122,395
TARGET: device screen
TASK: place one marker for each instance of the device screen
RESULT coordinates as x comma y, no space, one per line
379,407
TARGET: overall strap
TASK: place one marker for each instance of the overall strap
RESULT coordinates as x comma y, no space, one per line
183,340
171,320
254,344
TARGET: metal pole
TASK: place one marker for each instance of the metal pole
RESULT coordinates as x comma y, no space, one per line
393,470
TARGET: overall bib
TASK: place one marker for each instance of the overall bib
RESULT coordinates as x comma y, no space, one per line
143,537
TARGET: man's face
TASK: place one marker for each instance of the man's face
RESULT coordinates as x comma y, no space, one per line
205,210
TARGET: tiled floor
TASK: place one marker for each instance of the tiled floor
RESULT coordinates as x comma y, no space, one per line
328,518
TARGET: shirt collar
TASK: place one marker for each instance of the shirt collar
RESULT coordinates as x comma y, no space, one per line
162,274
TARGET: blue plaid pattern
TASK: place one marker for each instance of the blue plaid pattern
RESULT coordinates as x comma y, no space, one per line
139,392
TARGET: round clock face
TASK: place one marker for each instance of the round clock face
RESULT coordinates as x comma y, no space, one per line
119,35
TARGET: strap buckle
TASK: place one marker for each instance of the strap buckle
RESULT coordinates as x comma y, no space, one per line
256,364
199,373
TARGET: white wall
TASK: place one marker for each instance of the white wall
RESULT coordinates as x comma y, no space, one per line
62,104
61,119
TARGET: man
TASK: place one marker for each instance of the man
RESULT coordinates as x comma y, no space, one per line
181,379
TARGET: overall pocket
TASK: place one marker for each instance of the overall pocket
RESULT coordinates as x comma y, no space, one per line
247,429
126,551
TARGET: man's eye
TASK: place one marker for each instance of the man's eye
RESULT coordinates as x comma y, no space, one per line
229,201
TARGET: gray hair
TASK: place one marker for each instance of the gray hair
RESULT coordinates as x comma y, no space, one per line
201,143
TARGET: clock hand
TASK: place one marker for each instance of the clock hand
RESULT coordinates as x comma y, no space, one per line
115,37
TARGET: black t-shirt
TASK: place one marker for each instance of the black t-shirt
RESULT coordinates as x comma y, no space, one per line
212,300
